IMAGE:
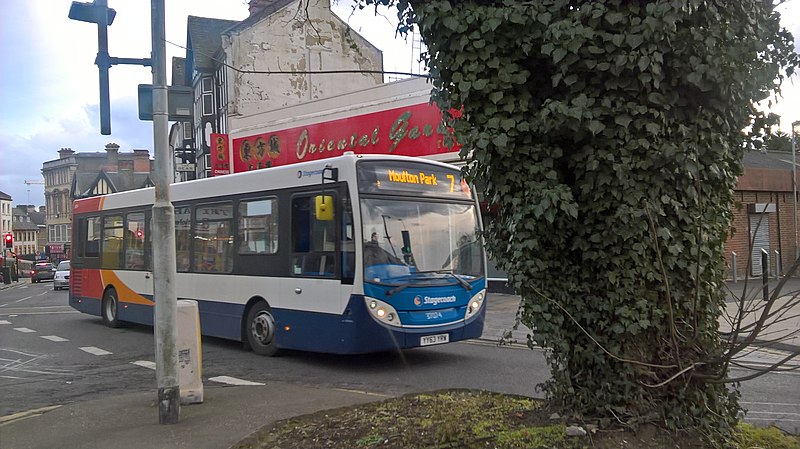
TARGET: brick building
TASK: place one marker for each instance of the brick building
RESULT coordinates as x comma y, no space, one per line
80,175
763,216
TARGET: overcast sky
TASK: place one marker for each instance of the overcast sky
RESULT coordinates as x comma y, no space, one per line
49,82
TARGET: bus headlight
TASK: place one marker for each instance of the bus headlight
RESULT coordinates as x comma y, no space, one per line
475,303
383,312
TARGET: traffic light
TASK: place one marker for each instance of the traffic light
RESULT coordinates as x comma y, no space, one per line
9,239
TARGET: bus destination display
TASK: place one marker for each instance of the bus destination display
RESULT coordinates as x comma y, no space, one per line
425,180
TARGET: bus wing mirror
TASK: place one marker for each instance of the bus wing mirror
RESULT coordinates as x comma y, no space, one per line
324,207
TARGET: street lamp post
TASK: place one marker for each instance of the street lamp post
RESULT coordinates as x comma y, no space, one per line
166,302
795,130
166,313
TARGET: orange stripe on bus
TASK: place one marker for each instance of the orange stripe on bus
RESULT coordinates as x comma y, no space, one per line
124,293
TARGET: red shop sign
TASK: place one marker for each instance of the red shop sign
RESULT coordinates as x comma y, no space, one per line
408,131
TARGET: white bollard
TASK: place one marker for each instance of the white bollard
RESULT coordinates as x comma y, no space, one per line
190,355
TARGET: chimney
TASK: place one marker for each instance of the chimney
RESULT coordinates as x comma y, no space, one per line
141,160
65,153
256,6
112,157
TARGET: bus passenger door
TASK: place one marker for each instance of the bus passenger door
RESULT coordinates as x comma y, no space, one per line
314,283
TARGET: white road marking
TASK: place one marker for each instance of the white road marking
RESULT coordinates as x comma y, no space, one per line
94,350
5,322
24,330
42,293
3,305
26,414
54,338
232,381
9,377
42,313
18,365
23,299
145,364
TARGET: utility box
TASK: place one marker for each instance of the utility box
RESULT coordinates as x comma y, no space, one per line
190,354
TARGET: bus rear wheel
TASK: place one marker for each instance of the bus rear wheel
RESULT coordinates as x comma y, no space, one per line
260,330
109,309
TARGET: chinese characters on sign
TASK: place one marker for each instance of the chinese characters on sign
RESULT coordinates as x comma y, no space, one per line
220,164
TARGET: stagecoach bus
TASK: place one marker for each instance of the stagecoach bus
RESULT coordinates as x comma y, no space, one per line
350,254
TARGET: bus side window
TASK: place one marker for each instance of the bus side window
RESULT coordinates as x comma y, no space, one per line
258,226
313,240
213,241
348,243
91,233
183,237
135,241
113,233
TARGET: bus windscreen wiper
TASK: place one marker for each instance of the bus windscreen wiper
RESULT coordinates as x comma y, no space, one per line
467,286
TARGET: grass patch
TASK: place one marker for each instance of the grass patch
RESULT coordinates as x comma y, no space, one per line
471,419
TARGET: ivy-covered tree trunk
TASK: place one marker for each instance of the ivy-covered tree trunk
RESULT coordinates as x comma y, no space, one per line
609,136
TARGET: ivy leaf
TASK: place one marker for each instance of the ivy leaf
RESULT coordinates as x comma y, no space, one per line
614,18
596,127
623,120
558,54
634,40
500,140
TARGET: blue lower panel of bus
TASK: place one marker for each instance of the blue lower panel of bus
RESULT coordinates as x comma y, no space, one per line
216,319
354,332
357,332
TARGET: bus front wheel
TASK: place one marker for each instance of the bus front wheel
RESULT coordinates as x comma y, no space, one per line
260,330
110,309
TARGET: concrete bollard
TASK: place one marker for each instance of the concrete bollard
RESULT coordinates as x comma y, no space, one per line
190,354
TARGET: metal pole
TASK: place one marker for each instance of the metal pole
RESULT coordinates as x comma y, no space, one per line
777,264
735,268
794,188
103,64
765,272
166,322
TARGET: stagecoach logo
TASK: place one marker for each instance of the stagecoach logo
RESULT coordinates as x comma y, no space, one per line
433,300
305,174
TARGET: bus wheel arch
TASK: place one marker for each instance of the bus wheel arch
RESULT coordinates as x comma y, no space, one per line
109,308
259,328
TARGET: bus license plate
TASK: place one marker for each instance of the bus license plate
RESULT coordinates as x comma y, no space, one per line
434,339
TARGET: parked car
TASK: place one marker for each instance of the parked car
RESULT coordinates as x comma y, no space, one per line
61,279
42,271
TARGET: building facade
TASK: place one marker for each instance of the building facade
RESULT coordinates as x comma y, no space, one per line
237,69
58,175
80,175
30,231
5,213
764,217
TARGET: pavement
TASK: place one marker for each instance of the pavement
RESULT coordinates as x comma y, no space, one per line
228,414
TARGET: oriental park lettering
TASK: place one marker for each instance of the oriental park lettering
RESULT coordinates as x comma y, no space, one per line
304,147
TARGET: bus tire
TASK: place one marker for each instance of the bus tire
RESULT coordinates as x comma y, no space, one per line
260,329
109,309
